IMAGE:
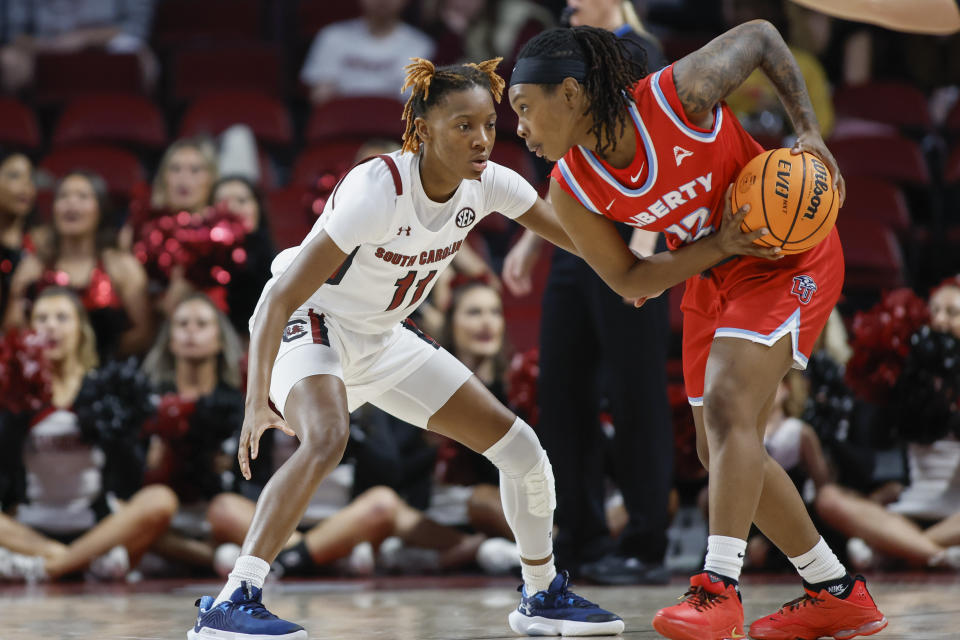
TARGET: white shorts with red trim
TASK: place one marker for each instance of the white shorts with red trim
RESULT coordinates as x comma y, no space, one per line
403,371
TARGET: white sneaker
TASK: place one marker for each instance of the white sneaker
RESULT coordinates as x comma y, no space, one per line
860,554
225,557
394,557
17,567
113,565
498,556
361,561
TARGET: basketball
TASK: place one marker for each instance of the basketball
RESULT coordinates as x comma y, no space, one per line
791,195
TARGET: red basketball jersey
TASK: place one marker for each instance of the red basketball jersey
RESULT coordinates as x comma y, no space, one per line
679,174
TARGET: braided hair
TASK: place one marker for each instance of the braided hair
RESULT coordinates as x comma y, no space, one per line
431,84
611,74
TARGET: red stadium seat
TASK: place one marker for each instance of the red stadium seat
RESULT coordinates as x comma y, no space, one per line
179,21
953,119
62,76
118,167
266,116
952,170
356,118
289,216
893,158
313,15
249,66
873,257
328,158
111,117
522,315
18,125
516,156
876,200
893,103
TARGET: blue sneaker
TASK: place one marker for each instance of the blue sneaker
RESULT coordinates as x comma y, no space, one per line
242,617
559,612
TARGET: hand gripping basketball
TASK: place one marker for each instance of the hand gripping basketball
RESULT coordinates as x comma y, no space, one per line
255,423
733,241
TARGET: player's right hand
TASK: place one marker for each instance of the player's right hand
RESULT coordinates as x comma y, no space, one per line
517,269
255,423
735,242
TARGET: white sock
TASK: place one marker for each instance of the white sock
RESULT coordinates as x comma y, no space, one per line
537,577
247,568
819,564
725,556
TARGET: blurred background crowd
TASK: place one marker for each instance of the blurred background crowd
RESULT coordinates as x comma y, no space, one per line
156,154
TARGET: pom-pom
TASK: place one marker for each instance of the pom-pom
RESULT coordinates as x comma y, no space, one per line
830,405
925,399
880,343
208,245
522,382
113,403
25,380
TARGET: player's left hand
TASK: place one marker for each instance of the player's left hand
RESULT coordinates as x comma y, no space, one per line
813,143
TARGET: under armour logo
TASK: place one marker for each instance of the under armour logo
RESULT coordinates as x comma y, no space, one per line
402,229
803,287
679,153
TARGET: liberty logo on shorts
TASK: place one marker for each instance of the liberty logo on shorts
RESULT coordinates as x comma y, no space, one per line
803,287
465,217
294,329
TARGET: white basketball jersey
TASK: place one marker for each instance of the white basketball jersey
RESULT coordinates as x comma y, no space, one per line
396,238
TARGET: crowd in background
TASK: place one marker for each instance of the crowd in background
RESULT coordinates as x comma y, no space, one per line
131,261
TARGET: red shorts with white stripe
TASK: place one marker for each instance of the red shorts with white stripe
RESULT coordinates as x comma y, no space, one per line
761,301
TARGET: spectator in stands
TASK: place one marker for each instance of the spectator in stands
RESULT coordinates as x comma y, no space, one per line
346,525
32,27
195,365
80,252
466,489
919,523
17,195
755,102
241,197
66,519
364,56
578,375
470,30
185,176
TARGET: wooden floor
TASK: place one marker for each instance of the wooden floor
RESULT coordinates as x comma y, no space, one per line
917,606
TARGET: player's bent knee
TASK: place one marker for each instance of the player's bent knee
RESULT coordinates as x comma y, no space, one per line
520,457
380,504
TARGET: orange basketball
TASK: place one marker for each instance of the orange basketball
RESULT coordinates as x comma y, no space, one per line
791,195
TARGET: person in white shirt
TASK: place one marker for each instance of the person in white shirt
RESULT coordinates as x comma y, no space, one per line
330,334
364,56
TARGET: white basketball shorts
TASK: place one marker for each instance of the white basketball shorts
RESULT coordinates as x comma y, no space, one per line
403,371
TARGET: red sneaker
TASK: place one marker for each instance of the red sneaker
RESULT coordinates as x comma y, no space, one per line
821,614
711,610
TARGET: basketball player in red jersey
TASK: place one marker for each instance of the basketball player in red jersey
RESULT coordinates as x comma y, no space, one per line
658,152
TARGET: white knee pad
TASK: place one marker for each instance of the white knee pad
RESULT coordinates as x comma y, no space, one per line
526,488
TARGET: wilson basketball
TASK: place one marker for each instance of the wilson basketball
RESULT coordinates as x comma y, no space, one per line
791,195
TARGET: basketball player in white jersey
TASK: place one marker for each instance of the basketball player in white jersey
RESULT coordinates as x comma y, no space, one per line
330,334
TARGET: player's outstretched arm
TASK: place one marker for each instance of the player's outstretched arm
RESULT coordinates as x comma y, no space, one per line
709,74
309,270
542,220
633,277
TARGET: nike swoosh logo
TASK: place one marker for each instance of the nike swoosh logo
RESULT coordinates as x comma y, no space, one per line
611,204
637,177
804,566
734,634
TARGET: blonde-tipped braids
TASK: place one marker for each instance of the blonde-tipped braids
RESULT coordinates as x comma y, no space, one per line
429,84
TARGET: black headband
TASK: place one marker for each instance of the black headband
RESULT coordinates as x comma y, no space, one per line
547,70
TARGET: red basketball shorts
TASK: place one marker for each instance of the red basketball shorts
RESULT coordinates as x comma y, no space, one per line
761,301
